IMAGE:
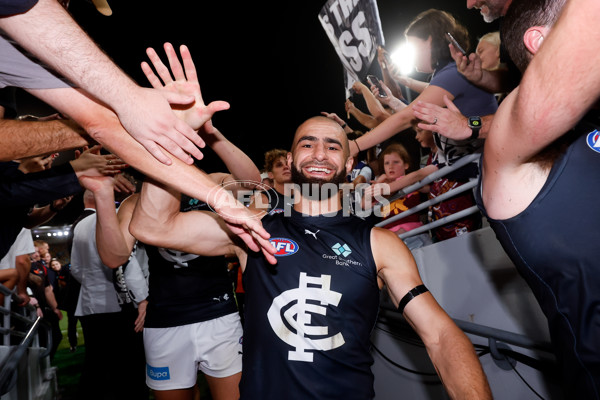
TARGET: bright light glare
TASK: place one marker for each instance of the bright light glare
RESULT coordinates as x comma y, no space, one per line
404,58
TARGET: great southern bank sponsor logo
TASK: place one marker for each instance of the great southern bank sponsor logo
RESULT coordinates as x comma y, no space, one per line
284,247
342,251
593,140
158,373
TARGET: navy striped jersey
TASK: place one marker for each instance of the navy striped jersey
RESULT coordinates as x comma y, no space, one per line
186,288
310,316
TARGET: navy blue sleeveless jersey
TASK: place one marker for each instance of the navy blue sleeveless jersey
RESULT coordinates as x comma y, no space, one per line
186,288
309,317
554,245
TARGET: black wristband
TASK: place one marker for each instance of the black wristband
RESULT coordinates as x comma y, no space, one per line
414,292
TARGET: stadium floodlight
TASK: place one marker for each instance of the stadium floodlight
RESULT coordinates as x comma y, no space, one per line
404,58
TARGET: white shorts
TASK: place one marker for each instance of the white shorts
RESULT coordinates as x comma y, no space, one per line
174,355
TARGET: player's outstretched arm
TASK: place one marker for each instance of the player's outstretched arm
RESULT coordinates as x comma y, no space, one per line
451,352
157,221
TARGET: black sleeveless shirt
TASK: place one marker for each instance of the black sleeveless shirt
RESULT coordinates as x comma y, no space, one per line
186,288
553,243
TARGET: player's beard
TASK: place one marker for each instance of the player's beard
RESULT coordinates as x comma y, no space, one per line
312,187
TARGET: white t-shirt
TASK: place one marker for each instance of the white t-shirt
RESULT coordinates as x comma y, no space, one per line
19,69
23,245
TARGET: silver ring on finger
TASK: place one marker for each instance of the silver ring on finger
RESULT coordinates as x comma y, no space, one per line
434,120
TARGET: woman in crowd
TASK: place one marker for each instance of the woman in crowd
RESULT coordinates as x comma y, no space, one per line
427,33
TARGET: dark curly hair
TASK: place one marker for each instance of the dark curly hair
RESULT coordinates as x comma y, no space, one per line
273,155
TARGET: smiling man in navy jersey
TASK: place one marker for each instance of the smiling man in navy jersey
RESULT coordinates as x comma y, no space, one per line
311,306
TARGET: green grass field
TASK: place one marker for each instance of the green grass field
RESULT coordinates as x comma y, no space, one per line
64,344
69,364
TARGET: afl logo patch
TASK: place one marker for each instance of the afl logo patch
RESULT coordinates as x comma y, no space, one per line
593,140
284,247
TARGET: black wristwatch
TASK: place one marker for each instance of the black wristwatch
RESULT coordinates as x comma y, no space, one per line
475,125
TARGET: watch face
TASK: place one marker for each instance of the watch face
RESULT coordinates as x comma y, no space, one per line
475,122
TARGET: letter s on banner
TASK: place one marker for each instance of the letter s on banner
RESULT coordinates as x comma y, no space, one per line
354,29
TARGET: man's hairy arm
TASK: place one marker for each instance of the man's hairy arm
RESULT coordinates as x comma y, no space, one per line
20,139
535,114
51,34
104,127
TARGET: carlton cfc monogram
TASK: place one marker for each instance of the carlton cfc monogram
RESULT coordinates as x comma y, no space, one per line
300,340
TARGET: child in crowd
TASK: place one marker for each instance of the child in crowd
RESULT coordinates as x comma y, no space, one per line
394,162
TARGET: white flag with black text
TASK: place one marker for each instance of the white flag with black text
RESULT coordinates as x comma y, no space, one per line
354,28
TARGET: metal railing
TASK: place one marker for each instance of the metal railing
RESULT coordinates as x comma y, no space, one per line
451,193
496,339
29,336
